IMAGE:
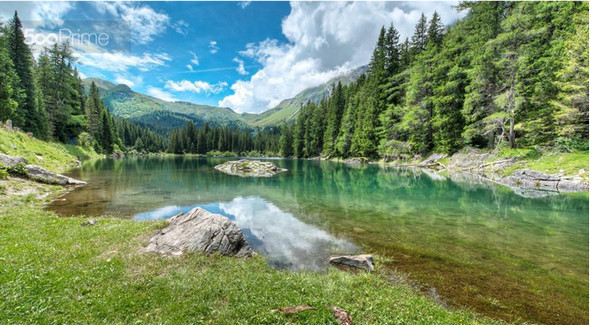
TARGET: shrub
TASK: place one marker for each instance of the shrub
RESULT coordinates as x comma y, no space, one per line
3,173
564,144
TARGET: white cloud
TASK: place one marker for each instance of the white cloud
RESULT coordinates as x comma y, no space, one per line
240,69
141,21
181,27
121,62
189,67
244,4
161,94
213,48
123,80
36,13
199,87
195,59
129,81
325,40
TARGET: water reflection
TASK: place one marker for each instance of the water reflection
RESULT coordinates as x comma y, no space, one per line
286,242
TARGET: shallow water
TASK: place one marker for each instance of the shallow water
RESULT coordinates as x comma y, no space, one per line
479,244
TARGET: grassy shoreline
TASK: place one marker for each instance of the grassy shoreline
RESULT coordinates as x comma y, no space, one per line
57,157
57,271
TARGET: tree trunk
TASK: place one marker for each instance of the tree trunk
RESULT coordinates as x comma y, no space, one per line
511,112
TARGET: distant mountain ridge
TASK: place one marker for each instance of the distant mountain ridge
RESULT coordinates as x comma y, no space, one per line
288,109
159,115
162,116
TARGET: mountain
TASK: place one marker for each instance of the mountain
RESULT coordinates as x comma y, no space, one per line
160,115
287,110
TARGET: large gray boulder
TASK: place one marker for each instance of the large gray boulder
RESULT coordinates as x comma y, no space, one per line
249,168
532,179
11,161
359,261
43,175
36,173
200,231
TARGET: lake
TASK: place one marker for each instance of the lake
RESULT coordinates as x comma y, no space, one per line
472,243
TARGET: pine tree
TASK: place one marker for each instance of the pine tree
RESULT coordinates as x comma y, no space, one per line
435,30
25,115
420,37
335,109
8,79
286,141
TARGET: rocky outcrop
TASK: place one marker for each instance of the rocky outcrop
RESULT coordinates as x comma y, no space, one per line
200,231
432,160
19,166
358,261
356,161
524,178
11,161
249,168
43,175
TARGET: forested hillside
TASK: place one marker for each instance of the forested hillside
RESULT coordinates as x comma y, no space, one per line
511,74
288,109
161,116
46,98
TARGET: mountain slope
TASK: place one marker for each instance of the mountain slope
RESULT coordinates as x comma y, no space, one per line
163,117
287,110
160,115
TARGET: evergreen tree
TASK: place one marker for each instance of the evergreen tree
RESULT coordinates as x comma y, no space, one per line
420,37
26,115
8,79
335,109
286,141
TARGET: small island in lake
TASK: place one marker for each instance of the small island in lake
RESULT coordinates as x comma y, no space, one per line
250,168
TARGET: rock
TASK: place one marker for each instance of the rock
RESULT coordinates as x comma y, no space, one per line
37,173
432,159
249,168
356,161
342,316
294,309
531,179
43,175
117,155
359,261
581,171
11,161
90,222
575,185
200,231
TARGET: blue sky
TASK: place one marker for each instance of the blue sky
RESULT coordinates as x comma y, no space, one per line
245,55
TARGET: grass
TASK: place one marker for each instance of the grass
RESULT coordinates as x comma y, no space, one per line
568,163
56,271
54,156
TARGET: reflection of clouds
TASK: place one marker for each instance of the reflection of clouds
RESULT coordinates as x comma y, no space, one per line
162,213
286,241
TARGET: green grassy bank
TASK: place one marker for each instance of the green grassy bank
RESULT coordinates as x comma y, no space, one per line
54,156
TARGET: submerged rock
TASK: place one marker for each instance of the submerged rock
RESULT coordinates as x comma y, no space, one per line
200,231
252,168
359,261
